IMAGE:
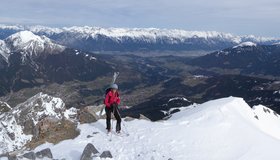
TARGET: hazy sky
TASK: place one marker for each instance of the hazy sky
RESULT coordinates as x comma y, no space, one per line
258,17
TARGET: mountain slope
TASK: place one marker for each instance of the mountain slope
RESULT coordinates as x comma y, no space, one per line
249,57
220,129
27,43
137,39
28,60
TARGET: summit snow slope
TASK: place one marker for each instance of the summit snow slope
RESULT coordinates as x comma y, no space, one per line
226,129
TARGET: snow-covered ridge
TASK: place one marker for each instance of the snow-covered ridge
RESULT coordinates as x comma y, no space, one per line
149,33
28,43
226,128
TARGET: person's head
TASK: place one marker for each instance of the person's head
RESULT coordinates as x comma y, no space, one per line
114,87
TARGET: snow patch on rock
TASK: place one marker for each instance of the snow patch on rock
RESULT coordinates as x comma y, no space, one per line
246,44
35,109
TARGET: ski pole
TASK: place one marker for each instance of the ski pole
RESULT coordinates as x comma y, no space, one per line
125,128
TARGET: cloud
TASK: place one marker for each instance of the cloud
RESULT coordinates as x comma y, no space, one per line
258,17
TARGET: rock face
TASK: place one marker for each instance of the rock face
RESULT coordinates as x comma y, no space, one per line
87,115
106,154
89,152
4,107
40,119
46,153
30,155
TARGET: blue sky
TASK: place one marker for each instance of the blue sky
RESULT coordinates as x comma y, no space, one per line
258,17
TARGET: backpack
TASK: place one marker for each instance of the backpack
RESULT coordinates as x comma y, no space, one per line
106,92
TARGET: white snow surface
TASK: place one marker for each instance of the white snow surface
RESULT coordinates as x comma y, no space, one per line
223,129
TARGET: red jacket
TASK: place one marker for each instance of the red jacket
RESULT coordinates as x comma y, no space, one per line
112,98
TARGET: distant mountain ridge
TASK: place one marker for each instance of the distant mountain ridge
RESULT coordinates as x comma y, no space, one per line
136,39
249,57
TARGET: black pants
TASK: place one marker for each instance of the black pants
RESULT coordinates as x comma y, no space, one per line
115,110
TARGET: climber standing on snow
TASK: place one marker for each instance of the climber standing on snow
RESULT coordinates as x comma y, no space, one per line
112,100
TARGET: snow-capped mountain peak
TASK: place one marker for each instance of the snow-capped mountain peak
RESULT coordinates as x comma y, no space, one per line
23,37
276,43
28,42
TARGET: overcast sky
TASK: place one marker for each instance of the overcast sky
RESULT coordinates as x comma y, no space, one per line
258,17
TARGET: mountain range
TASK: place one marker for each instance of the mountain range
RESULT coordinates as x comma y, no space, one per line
136,39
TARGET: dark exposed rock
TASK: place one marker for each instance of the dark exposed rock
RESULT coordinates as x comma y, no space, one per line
89,136
12,157
12,136
45,153
106,154
89,152
30,155
4,107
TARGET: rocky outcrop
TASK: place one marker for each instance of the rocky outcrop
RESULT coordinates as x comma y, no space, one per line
90,114
4,107
45,153
106,154
89,152
40,119
30,156
53,131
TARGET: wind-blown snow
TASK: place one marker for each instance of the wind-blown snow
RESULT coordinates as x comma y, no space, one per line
179,98
276,43
4,50
221,129
246,44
